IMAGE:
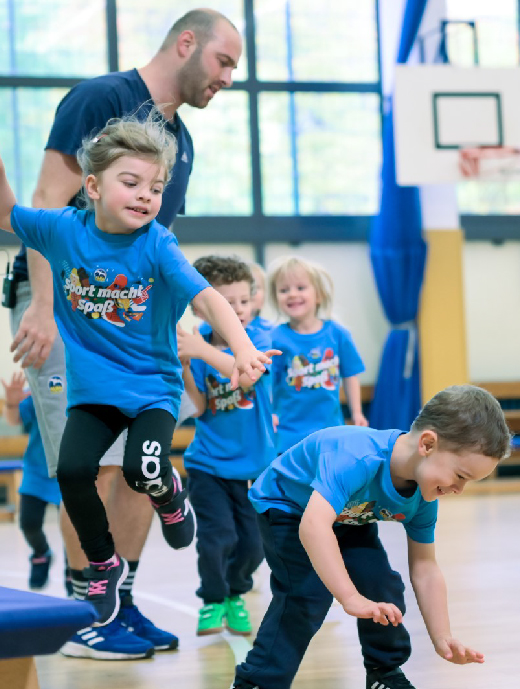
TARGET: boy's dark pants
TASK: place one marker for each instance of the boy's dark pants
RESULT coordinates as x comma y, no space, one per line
301,601
229,545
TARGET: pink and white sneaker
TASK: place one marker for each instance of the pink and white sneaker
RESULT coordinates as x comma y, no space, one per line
177,519
104,580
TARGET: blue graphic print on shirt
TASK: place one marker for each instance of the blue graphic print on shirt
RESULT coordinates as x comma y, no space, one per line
118,298
307,378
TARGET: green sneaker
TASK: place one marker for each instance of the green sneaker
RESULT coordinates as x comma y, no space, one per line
237,616
211,619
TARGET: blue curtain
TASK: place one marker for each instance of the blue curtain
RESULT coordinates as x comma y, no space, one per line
398,255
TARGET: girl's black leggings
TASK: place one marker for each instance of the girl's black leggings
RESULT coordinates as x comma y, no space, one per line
89,432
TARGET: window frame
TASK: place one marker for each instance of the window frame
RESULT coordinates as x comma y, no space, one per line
258,229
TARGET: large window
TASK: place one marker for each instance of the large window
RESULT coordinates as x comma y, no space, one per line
292,152
320,153
53,37
293,148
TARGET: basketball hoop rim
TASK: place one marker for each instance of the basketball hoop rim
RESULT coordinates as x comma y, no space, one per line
470,158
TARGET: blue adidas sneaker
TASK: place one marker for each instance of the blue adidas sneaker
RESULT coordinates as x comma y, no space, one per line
113,641
136,623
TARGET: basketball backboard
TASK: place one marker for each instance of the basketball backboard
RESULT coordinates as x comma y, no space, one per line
439,109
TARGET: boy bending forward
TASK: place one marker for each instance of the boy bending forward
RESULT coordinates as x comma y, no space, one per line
318,503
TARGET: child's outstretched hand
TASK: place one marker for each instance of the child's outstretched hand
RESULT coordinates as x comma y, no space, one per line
455,652
382,613
188,344
251,362
14,392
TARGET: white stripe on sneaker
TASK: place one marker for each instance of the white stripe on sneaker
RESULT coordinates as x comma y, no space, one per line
92,638
88,635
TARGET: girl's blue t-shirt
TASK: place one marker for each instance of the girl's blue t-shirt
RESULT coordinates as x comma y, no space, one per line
234,438
307,379
350,467
35,478
117,300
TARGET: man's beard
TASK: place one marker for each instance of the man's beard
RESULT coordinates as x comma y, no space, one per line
192,80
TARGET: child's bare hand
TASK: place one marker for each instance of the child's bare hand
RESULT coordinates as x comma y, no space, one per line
455,652
359,419
14,392
251,362
188,344
35,337
382,613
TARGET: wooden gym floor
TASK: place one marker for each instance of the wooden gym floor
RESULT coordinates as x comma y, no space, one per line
477,546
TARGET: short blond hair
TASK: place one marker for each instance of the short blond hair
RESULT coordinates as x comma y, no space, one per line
128,136
318,276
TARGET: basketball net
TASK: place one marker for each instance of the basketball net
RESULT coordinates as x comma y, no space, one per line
489,162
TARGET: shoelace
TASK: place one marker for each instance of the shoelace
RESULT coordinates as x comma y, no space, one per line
172,517
42,560
97,588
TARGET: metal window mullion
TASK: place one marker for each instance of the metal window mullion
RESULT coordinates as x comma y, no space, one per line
23,81
308,86
17,148
292,112
252,91
518,28
112,36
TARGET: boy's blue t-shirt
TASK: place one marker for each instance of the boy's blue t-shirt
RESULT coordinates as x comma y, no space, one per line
86,109
234,438
258,322
350,467
262,323
117,300
35,478
307,378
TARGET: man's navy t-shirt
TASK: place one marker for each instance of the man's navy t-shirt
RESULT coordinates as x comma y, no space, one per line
86,109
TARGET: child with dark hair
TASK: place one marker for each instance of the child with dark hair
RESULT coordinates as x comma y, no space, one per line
233,444
318,504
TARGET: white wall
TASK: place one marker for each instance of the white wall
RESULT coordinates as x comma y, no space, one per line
492,297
